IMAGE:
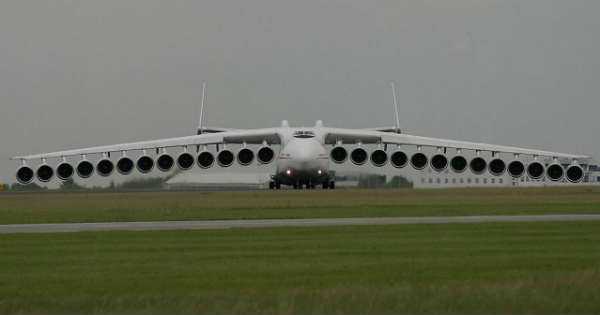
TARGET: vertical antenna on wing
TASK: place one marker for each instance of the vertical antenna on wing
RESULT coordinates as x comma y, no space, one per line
393,85
201,120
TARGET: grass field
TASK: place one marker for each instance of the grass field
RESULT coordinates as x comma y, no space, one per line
98,207
516,268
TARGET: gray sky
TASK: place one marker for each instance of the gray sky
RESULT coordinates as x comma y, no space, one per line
83,73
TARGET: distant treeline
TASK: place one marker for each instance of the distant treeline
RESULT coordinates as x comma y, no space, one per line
71,185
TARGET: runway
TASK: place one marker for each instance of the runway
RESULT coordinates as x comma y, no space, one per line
253,224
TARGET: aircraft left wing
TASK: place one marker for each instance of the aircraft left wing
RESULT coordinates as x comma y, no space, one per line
353,136
255,136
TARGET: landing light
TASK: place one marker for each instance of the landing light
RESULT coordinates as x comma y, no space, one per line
319,172
288,172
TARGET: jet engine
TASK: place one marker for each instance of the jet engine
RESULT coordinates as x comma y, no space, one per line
555,172
105,167
497,167
265,155
575,173
225,158
165,162
516,169
64,171
85,169
145,164
44,173
535,170
379,158
399,159
185,161
25,175
245,156
439,162
458,164
339,155
206,159
358,156
125,166
418,161
478,165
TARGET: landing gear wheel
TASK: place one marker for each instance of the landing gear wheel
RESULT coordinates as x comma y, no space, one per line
271,185
325,185
277,185
331,185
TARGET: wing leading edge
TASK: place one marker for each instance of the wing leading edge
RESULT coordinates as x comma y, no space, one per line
256,136
347,136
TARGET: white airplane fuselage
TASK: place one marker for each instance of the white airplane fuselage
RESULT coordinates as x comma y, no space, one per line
303,158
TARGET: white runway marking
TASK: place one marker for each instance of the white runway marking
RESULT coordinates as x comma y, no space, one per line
249,224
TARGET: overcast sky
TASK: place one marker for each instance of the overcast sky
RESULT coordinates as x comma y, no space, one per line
84,73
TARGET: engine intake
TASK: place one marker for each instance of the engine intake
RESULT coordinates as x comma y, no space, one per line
555,172
439,162
339,155
45,173
105,167
145,164
458,164
478,165
185,161
418,161
85,169
399,159
64,171
575,174
245,156
359,156
165,162
25,175
535,170
516,169
125,166
497,167
379,158
206,159
266,155
225,158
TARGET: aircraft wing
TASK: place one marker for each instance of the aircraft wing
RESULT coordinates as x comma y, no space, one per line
353,136
255,136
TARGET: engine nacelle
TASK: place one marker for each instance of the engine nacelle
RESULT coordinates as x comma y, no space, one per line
458,164
358,156
245,156
516,169
64,171
379,158
185,161
575,173
225,158
85,169
338,155
125,166
105,167
44,173
439,162
25,175
165,162
399,159
478,165
555,172
145,164
535,170
418,161
206,160
497,167
265,155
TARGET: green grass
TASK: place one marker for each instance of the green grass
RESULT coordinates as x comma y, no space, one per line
98,207
509,268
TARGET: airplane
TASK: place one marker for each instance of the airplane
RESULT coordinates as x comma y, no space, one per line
306,156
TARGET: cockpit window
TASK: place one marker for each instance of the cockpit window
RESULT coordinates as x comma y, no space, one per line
304,134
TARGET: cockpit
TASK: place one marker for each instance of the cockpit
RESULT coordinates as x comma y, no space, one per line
304,134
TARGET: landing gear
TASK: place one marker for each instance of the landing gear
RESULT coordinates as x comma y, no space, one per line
329,185
274,185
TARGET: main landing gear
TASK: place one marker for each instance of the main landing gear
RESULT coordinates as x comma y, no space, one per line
274,184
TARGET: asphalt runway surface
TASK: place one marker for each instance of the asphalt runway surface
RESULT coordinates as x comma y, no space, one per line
274,223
